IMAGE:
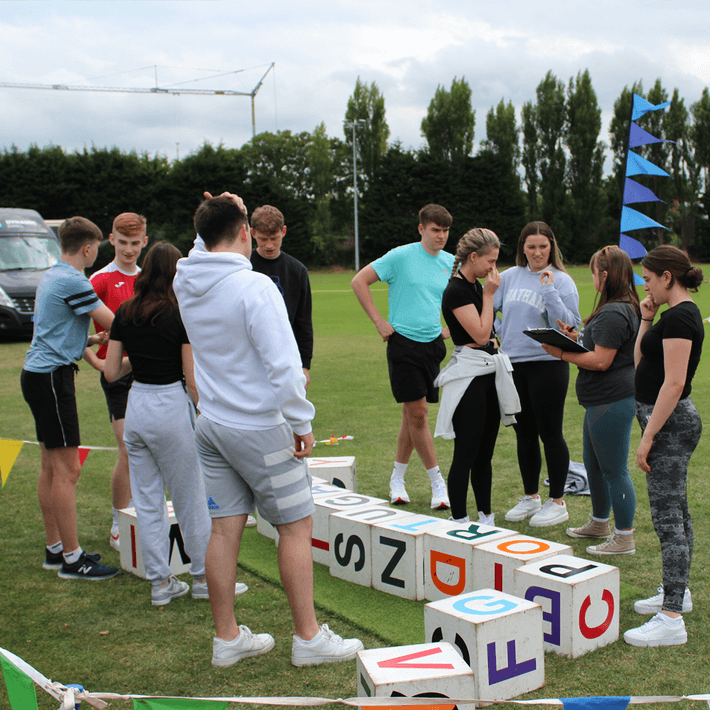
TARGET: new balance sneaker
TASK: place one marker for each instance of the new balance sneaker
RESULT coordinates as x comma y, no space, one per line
524,509
160,596
247,644
550,514
592,528
654,604
324,647
398,494
87,568
439,496
617,544
55,560
200,591
484,519
114,539
660,630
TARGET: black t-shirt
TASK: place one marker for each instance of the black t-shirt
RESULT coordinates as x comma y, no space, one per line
155,351
614,326
460,292
682,321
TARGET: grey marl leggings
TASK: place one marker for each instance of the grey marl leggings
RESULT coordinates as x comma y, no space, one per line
667,494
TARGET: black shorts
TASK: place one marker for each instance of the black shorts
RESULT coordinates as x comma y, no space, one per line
52,399
116,394
413,367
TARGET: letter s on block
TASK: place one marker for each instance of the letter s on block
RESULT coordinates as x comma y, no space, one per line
594,632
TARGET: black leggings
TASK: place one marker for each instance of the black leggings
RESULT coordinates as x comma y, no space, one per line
476,422
542,388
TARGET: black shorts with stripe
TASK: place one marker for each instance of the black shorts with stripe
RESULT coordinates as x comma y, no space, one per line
52,400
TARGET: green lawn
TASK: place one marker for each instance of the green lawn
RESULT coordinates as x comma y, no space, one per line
58,625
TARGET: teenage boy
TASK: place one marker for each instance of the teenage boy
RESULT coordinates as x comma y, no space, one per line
289,275
254,430
417,275
114,285
64,306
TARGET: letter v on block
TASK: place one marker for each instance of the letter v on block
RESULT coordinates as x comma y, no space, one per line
403,661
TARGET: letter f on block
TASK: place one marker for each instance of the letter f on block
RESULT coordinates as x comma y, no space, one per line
513,669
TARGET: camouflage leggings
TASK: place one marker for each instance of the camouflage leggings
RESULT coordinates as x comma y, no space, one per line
667,494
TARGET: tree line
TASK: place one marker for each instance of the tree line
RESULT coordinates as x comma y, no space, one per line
548,165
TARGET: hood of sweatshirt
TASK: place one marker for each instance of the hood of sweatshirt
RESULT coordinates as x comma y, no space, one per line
202,270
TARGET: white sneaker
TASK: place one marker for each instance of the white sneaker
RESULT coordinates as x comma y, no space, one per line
524,509
200,591
439,496
484,519
465,519
247,644
549,514
398,494
160,596
324,647
660,630
114,539
251,522
653,605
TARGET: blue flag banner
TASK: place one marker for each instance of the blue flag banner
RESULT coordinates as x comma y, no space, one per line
641,106
638,280
634,192
611,703
637,137
636,165
632,219
632,247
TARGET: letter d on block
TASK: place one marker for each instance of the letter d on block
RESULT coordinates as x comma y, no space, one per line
453,590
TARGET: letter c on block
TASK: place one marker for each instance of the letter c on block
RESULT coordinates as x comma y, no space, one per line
594,632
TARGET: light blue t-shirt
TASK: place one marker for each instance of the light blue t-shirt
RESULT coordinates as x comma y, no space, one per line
416,281
61,321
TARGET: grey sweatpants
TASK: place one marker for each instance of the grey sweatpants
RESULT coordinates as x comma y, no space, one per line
667,494
160,439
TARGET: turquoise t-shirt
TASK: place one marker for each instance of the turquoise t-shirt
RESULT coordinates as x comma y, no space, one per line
416,282
61,321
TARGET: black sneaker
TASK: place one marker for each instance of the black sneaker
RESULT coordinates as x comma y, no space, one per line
56,560
87,568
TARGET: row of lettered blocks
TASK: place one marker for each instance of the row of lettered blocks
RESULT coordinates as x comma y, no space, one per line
529,594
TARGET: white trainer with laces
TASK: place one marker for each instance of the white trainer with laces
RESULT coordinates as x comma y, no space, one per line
324,647
660,630
398,493
550,514
200,591
484,519
439,496
524,509
247,644
160,596
654,604
114,539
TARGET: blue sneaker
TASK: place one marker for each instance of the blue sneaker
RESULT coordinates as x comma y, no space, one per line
87,568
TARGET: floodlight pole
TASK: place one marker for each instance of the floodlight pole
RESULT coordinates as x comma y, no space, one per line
354,124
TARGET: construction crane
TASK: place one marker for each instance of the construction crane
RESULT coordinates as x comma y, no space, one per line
174,91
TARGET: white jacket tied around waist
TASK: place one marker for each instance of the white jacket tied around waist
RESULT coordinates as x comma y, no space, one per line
465,364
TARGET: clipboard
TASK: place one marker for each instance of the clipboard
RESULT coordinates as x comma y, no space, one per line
554,337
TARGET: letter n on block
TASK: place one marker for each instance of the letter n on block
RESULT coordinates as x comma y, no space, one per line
499,635
427,670
580,602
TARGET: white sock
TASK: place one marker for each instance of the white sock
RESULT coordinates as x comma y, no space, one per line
600,520
71,557
115,517
433,473
623,532
399,469
57,547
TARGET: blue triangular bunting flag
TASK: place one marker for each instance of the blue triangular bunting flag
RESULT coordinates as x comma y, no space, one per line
634,192
637,137
638,280
632,247
611,703
641,106
636,165
632,219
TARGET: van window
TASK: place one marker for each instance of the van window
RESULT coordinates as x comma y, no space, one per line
28,253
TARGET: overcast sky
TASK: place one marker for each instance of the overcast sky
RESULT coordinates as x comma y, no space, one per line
502,47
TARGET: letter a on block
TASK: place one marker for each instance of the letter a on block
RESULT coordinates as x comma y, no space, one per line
403,661
594,632
453,590
514,668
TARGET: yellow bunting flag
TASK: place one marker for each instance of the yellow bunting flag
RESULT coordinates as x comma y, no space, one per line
9,451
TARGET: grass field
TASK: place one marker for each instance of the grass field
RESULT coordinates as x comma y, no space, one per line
108,637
